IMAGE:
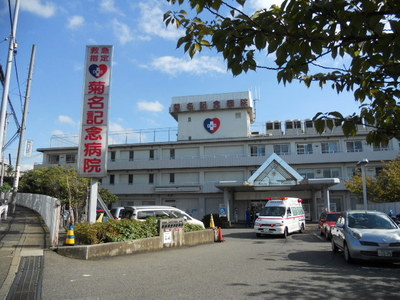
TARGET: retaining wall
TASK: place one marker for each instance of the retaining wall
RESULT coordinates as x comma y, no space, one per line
143,245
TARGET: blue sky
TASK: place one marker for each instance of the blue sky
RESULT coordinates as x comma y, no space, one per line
148,69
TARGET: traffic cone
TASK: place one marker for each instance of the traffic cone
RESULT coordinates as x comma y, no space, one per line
70,241
220,237
212,225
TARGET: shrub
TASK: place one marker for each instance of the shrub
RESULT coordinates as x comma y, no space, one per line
192,227
115,231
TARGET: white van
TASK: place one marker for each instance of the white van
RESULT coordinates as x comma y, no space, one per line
281,216
144,212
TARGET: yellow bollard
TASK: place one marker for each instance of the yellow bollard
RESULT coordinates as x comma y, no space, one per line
70,241
212,225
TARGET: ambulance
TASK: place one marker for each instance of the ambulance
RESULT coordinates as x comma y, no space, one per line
281,216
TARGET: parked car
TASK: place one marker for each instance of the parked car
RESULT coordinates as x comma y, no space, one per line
326,221
118,212
144,212
366,235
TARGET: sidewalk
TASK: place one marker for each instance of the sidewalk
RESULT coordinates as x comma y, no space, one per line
23,237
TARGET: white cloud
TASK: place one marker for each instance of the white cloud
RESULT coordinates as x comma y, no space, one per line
109,6
66,120
41,8
122,32
116,127
198,65
57,132
150,106
152,23
75,22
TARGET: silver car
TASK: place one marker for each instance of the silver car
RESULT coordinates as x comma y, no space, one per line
366,235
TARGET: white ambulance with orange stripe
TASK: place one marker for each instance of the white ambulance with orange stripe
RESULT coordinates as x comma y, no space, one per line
281,216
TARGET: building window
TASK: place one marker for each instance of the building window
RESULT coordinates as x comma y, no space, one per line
171,153
281,149
171,177
151,154
381,148
270,126
54,159
70,158
329,147
112,155
189,119
238,115
277,125
131,155
151,178
354,146
112,179
130,179
307,173
257,150
353,172
331,173
304,149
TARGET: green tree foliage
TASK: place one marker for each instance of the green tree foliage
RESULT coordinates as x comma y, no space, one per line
388,182
303,36
384,188
107,196
62,183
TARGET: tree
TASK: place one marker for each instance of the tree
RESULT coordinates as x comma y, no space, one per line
384,188
107,196
62,183
301,35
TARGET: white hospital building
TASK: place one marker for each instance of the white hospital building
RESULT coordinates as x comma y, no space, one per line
216,161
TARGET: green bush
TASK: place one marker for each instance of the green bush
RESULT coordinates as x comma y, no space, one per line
192,227
120,230
115,231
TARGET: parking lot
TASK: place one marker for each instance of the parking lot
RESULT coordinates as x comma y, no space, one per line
242,267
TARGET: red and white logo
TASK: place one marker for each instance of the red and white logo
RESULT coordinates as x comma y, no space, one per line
212,125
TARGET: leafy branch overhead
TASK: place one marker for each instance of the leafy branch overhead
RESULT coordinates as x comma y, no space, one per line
302,36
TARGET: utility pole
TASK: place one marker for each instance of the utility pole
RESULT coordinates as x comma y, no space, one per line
4,148
23,124
6,89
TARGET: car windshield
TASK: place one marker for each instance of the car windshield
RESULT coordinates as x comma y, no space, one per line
272,211
332,217
370,221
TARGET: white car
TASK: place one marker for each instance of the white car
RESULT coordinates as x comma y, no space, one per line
118,212
144,212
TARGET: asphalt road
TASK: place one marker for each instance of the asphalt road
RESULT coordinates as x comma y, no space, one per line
242,267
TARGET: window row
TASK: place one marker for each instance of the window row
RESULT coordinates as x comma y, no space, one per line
255,150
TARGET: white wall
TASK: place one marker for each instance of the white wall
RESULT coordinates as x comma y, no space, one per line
191,125
49,208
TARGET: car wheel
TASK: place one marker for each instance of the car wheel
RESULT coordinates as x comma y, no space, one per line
285,233
301,228
347,256
335,249
258,234
327,235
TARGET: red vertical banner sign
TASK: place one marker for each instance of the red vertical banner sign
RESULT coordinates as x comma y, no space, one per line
92,157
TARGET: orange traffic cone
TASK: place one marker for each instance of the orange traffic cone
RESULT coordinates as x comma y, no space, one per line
212,225
70,241
220,237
